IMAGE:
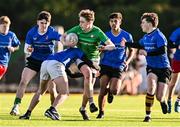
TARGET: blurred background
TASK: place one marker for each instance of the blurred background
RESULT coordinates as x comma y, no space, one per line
65,13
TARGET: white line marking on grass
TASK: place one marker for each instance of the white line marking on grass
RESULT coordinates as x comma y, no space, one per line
84,126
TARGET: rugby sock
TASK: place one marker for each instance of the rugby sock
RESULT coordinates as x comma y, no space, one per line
17,101
52,108
82,108
90,100
149,103
28,112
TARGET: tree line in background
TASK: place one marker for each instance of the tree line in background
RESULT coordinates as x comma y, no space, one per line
65,12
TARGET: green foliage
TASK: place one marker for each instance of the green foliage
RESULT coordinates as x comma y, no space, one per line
65,12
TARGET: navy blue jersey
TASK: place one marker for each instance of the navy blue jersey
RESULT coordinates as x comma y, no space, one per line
67,56
9,39
117,57
43,44
151,42
175,39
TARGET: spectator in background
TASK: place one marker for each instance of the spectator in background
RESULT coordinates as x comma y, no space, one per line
142,70
8,44
132,79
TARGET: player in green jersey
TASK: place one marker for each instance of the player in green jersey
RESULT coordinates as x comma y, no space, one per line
89,37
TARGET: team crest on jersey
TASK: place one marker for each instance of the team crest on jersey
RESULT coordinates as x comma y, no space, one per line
92,36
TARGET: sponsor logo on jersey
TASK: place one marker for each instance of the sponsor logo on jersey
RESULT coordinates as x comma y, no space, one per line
34,38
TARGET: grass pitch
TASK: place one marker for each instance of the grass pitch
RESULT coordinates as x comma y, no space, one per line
125,111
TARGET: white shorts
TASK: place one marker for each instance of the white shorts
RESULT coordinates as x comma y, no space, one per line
52,69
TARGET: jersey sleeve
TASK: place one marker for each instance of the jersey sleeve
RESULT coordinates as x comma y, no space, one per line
175,36
141,42
102,37
29,39
15,41
56,35
129,38
161,40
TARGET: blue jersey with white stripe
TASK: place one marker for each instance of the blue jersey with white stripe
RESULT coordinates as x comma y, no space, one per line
151,42
67,56
175,38
9,39
43,44
117,57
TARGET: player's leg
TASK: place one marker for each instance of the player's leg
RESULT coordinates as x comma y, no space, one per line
26,76
43,86
114,88
104,80
59,77
115,83
172,86
52,90
177,102
163,81
63,92
36,98
151,89
160,95
88,92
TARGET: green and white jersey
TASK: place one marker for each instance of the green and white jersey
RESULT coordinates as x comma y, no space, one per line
89,41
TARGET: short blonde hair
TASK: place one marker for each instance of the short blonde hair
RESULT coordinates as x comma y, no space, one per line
87,14
5,20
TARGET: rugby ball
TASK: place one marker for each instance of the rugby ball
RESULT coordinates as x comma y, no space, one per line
71,39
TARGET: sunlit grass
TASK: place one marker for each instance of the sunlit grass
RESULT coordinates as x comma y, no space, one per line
124,111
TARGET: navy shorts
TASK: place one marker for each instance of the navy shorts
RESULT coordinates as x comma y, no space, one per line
163,74
110,72
33,64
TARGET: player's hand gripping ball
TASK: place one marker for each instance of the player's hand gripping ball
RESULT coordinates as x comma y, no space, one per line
71,40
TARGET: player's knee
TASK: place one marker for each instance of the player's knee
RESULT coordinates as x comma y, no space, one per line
87,75
86,72
23,83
